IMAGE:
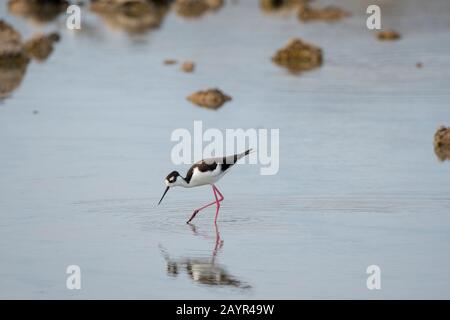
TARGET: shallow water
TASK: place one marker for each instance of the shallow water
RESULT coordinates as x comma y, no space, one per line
359,183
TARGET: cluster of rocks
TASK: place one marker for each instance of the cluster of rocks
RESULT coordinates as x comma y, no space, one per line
298,56
15,55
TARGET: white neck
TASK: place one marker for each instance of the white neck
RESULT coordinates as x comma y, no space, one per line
181,182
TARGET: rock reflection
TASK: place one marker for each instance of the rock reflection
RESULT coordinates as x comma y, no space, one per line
203,270
135,16
39,11
442,143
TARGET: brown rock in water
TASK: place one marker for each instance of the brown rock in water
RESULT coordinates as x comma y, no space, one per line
38,10
196,8
188,66
442,143
388,35
298,56
211,98
13,59
40,46
419,65
330,13
14,55
278,5
12,52
10,78
135,16
170,61
214,4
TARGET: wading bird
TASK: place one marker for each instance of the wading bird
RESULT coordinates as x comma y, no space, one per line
206,171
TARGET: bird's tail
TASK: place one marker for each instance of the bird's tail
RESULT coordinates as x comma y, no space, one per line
245,153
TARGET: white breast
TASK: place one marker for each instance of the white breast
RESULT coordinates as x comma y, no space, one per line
208,177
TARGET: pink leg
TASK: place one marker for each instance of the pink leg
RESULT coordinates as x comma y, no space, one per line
206,206
217,201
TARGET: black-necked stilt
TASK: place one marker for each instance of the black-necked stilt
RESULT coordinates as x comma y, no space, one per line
206,171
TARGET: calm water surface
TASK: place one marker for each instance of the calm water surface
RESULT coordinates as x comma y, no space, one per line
359,183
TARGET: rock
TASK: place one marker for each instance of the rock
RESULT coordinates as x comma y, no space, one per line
131,15
298,56
196,8
388,35
40,46
278,5
170,61
442,143
419,65
15,55
10,78
442,137
211,98
188,66
330,13
12,53
13,59
38,10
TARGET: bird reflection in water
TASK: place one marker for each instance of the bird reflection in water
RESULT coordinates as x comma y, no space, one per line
203,270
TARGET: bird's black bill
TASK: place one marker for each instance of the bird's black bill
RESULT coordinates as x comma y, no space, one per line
167,189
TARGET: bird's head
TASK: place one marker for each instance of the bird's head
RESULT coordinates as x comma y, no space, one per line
173,179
